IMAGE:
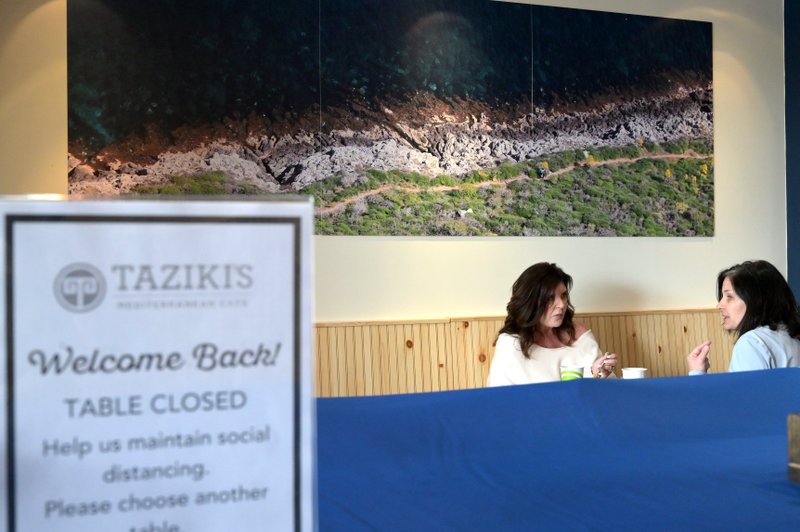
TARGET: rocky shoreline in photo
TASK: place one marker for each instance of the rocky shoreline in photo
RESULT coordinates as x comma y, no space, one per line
428,136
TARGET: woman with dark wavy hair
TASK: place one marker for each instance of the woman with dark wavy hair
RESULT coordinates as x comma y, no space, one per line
756,304
539,334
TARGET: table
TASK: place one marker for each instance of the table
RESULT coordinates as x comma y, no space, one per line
679,453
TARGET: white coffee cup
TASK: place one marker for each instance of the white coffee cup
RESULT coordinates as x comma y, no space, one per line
634,373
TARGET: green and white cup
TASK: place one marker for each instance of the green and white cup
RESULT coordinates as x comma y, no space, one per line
570,373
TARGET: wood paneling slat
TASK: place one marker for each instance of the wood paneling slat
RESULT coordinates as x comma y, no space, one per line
470,353
323,357
368,368
339,383
388,370
355,356
421,368
481,354
378,361
426,362
629,357
459,372
599,330
657,345
673,345
407,350
445,356
398,369
356,360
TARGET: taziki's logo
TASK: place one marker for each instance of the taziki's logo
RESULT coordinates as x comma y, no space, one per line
181,277
79,287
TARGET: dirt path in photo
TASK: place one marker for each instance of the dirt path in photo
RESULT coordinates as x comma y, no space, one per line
342,205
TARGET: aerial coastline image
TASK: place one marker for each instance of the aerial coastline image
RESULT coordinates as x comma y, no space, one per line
424,117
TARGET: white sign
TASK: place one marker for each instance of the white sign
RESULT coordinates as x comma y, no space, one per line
158,366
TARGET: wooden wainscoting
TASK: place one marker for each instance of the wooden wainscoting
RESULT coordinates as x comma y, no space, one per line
377,358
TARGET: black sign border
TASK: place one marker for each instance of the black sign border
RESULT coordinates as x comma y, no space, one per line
11,219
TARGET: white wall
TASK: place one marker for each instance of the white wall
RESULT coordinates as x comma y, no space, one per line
383,278
33,96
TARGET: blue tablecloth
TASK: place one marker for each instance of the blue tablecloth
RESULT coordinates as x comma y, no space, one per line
675,453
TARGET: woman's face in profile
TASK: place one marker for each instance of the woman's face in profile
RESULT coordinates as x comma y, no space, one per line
731,307
557,304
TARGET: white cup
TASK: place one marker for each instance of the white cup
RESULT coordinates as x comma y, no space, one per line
634,373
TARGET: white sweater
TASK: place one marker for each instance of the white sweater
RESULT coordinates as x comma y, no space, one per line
509,366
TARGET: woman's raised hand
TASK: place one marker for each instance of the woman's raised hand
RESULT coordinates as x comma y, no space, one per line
698,358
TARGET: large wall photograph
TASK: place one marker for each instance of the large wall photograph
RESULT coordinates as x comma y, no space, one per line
423,117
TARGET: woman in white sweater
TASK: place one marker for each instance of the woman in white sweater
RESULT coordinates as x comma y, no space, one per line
539,334
756,304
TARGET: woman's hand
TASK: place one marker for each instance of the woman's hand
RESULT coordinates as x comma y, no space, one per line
604,366
698,358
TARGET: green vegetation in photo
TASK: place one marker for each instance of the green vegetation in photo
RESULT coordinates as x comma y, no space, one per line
444,180
210,183
644,192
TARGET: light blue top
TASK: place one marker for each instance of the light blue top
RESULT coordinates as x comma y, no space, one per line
763,348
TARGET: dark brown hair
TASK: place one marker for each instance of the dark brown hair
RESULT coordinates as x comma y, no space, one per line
530,295
769,300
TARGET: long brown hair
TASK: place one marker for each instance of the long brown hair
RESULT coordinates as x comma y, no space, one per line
530,295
